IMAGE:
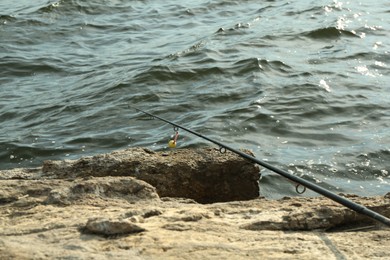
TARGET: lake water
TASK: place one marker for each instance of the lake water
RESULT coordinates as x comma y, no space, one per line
304,84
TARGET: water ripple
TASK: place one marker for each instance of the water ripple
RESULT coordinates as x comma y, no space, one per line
302,84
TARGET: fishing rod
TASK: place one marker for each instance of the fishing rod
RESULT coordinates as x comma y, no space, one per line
318,189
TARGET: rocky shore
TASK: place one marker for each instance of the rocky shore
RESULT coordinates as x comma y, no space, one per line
179,204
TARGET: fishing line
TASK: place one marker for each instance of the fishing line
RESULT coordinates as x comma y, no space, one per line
302,182
172,142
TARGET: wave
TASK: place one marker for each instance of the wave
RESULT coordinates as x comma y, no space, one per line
328,33
236,30
160,73
11,66
85,7
21,21
255,64
7,18
201,66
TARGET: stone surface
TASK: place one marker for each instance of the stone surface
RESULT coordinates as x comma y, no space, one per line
65,192
184,229
205,174
52,214
110,227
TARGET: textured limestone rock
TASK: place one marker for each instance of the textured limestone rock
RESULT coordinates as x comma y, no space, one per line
63,192
323,214
183,229
126,188
65,212
205,175
110,227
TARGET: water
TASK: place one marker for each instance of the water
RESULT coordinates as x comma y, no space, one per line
304,85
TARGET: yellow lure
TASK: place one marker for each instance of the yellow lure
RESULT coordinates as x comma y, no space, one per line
172,144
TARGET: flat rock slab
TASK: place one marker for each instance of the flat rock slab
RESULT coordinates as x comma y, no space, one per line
65,192
171,228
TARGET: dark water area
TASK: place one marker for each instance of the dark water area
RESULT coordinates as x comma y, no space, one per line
305,86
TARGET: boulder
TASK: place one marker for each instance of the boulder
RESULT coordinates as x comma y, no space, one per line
205,175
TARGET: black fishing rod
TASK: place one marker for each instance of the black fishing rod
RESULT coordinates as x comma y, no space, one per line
318,189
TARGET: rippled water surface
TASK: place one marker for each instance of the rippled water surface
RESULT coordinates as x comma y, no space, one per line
304,84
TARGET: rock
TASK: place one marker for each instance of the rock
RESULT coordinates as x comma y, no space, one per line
183,229
205,175
177,227
46,213
192,218
62,192
110,227
152,213
21,173
126,188
325,217
11,190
